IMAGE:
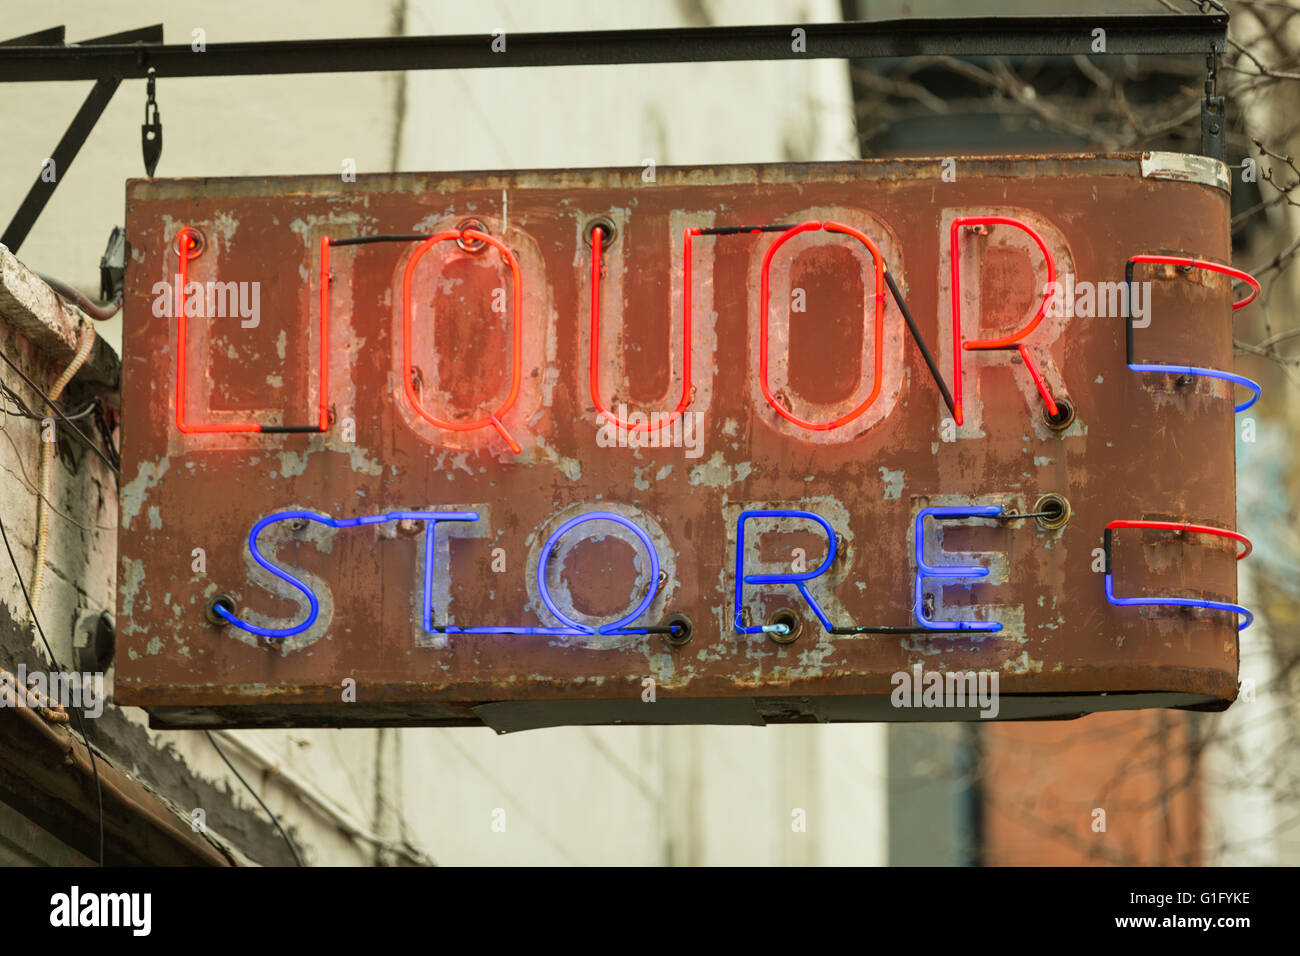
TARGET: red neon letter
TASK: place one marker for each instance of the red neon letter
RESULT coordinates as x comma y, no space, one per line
187,248
593,371
1008,341
516,372
765,294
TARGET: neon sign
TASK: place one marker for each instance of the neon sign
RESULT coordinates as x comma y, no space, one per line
600,233
189,246
223,608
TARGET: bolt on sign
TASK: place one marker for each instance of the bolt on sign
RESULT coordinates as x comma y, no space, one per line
741,445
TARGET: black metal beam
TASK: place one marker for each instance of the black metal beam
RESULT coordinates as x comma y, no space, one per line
55,36
73,138
61,158
152,34
41,57
973,36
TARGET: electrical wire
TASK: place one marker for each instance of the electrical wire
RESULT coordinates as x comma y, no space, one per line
317,801
92,309
21,409
85,411
47,463
31,486
106,434
58,411
274,819
81,720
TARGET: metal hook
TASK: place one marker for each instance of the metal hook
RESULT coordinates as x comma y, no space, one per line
151,129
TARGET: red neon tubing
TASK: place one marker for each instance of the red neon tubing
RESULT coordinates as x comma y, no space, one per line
1237,274
764,303
516,365
1007,341
325,283
1052,408
187,249
593,365
1184,526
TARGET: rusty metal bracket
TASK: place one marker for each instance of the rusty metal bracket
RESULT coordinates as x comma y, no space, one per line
1213,142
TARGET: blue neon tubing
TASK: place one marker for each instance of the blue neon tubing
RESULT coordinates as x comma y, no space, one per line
280,633
554,539
924,570
792,577
1206,373
572,628
432,518
1177,602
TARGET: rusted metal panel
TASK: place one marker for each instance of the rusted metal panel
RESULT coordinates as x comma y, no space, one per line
1140,446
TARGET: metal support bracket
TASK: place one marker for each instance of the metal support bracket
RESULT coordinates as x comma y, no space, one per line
56,166
1213,140
139,54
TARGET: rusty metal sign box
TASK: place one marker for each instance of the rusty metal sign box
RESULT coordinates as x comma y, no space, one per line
414,423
